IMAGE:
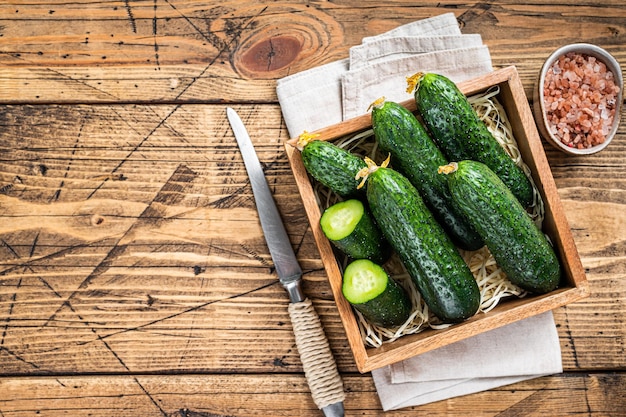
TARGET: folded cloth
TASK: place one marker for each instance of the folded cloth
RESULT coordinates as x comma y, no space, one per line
443,24
362,86
312,99
519,351
412,394
386,48
331,93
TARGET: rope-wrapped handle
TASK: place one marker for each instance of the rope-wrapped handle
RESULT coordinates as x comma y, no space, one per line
317,359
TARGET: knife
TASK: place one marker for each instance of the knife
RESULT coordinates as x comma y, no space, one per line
317,359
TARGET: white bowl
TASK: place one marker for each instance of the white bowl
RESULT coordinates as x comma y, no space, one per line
538,101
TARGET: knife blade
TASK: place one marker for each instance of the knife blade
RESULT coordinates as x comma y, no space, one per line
317,359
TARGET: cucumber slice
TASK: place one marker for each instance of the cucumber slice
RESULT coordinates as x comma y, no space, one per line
352,230
380,299
340,220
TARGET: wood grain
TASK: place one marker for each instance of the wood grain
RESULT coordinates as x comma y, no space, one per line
134,276
202,51
114,256
287,395
89,259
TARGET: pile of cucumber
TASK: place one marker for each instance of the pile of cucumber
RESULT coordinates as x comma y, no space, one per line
452,186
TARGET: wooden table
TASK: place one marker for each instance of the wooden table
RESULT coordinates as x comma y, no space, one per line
134,277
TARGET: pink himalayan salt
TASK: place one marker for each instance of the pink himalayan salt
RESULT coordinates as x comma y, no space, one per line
580,97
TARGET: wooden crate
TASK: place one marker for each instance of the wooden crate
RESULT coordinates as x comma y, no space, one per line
574,287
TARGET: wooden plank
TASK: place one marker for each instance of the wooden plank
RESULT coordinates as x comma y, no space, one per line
143,232
134,277
129,242
202,51
287,395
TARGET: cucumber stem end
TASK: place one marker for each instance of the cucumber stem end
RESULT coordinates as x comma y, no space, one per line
448,169
304,138
371,167
377,103
412,82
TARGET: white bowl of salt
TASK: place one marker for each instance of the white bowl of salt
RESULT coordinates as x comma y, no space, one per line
578,98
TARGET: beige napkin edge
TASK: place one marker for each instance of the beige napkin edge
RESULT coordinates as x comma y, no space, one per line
412,394
362,86
439,24
508,350
399,46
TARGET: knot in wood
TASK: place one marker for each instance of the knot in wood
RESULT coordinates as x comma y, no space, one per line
268,55
97,220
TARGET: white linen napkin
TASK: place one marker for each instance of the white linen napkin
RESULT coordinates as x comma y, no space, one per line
334,92
314,98
519,351
360,87
381,49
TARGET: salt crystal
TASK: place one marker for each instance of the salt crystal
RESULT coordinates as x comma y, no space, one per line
604,114
580,96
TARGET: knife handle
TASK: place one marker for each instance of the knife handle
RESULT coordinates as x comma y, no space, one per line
317,359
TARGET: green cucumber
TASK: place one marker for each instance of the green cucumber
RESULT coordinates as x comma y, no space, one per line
460,134
331,165
439,272
352,230
516,243
416,156
380,299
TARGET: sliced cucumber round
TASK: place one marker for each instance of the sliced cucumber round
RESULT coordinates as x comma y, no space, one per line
380,299
352,230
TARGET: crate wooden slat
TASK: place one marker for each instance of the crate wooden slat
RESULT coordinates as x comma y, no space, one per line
574,283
